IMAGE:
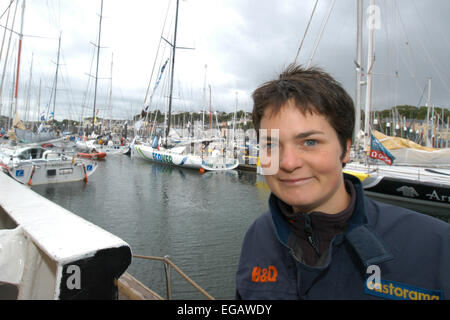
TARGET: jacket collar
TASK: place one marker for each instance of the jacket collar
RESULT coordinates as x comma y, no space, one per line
360,234
367,245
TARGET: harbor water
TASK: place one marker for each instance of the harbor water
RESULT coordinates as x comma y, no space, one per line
197,219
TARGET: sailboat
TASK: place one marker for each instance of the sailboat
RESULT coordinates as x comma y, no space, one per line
183,153
420,188
35,165
104,143
18,132
416,186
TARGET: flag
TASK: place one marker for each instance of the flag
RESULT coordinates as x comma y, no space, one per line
379,152
144,111
155,142
95,117
137,125
41,126
160,74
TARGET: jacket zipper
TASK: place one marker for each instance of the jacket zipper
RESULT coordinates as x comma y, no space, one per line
310,236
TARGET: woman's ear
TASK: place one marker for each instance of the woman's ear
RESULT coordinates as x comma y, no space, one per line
346,156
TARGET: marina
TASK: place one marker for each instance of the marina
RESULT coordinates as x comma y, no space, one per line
142,193
197,219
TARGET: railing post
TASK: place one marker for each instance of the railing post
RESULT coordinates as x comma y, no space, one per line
167,265
167,272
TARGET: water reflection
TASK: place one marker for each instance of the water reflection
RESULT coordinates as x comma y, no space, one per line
198,219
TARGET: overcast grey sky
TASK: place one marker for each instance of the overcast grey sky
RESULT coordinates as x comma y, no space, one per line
242,42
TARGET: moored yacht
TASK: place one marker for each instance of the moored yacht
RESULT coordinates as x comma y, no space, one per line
36,165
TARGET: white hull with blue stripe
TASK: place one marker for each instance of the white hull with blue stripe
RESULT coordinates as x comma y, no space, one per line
165,156
35,166
175,157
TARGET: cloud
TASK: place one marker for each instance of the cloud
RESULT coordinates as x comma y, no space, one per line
243,44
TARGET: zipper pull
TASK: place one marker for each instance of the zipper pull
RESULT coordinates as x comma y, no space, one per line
310,234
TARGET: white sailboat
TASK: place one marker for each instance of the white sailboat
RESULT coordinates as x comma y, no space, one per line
113,146
182,154
110,144
417,186
18,131
173,156
35,166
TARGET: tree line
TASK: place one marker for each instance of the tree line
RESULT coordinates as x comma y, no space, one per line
194,116
407,111
412,112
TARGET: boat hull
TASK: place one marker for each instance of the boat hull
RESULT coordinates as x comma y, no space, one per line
166,157
89,145
221,164
433,199
46,172
420,189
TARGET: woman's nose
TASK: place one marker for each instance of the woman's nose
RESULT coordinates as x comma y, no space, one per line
290,158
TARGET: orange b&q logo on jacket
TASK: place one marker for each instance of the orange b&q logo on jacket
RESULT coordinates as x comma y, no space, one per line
264,274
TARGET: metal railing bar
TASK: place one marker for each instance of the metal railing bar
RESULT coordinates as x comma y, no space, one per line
168,262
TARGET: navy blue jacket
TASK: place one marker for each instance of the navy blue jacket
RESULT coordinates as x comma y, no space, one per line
410,250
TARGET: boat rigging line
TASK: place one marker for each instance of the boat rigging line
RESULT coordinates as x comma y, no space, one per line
98,58
154,63
7,9
321,34
306,31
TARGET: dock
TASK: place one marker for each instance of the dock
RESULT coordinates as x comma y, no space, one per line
246,167
43,256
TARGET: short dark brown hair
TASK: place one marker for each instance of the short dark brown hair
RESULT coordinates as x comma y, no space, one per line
312,90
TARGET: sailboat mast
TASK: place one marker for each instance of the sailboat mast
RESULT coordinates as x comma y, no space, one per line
234,116
428,104
370,62
358,71
4,69
110,94
1,55
98,58
174,45
204,99
27,102
18,57
39,102
56,77
11,105
446,135
210,117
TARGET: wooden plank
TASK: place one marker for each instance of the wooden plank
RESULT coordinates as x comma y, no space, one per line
132,289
